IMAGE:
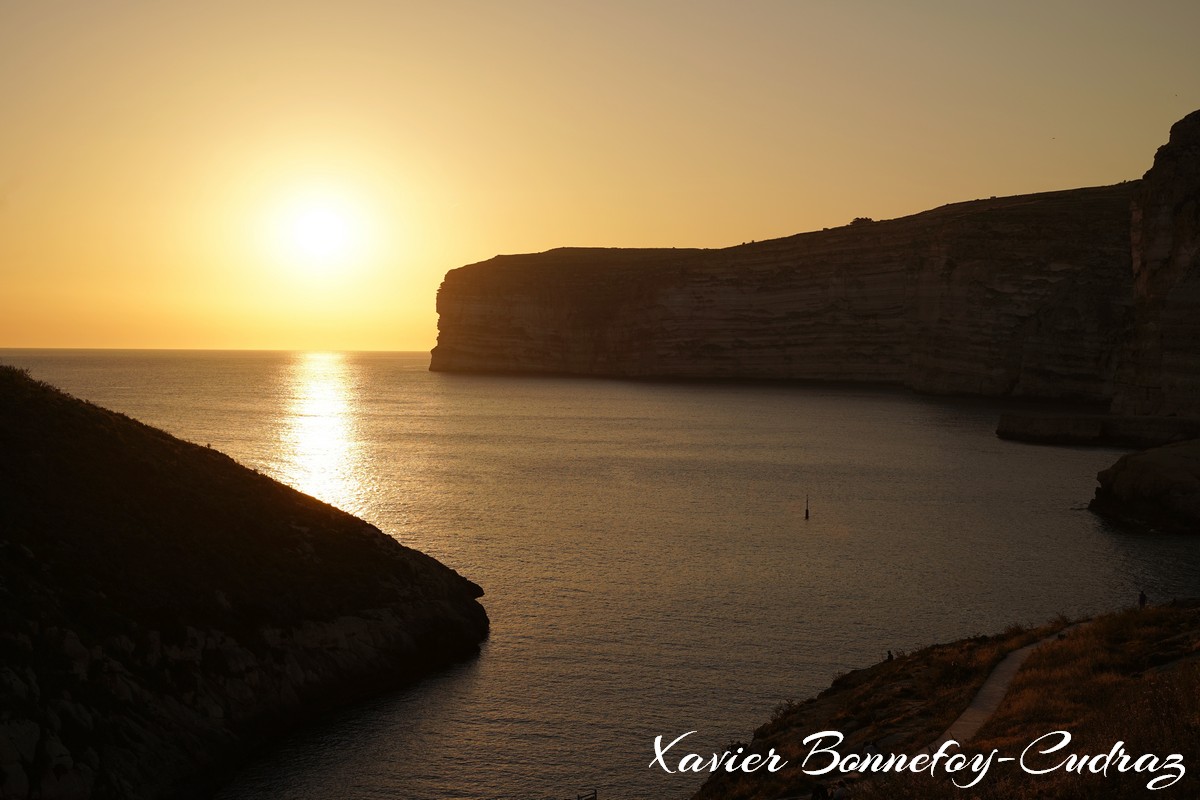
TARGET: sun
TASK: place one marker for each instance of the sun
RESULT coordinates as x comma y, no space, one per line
322,232
319,231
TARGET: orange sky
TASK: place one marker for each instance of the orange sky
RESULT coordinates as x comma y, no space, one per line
300,175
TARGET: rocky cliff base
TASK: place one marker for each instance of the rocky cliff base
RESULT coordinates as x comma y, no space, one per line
1109,430
162,607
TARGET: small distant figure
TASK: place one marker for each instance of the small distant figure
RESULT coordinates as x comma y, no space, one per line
840,791
1141,598
890,656
806,506
820,792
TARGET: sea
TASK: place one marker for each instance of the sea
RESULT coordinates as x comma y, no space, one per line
648,562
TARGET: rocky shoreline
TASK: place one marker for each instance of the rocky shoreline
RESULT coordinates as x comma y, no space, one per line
163,609
1105,430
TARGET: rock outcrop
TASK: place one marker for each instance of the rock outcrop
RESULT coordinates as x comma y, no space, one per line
1160,370
1159,487
161,607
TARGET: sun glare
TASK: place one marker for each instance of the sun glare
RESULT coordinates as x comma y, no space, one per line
319,232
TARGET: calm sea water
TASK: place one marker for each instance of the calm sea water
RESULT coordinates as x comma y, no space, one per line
643,547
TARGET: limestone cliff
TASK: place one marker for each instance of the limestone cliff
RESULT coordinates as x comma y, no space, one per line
1022,296
1090,294
1160,370
161,607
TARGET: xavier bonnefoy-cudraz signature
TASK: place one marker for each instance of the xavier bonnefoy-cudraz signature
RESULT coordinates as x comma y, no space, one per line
1046,754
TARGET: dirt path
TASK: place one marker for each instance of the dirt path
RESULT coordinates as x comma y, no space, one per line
990,695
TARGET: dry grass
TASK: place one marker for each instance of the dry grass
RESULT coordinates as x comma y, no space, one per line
1064,682
1132,677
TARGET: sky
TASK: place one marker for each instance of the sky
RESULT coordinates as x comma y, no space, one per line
290,174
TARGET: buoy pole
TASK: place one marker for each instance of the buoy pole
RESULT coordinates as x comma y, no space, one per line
806,506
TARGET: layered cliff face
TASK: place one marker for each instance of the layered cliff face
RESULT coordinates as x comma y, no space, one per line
1021,295
1160,371
162,607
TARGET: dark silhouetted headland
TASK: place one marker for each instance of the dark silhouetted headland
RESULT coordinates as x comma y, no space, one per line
162,607
1013,296
1086,295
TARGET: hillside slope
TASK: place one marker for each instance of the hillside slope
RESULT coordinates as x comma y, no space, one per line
1129,676
162,606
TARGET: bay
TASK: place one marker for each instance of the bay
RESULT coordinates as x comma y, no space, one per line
643,547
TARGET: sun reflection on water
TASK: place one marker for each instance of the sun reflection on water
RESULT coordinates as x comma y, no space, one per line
319,448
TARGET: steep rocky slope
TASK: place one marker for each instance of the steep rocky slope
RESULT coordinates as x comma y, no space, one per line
1018,295
161,606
